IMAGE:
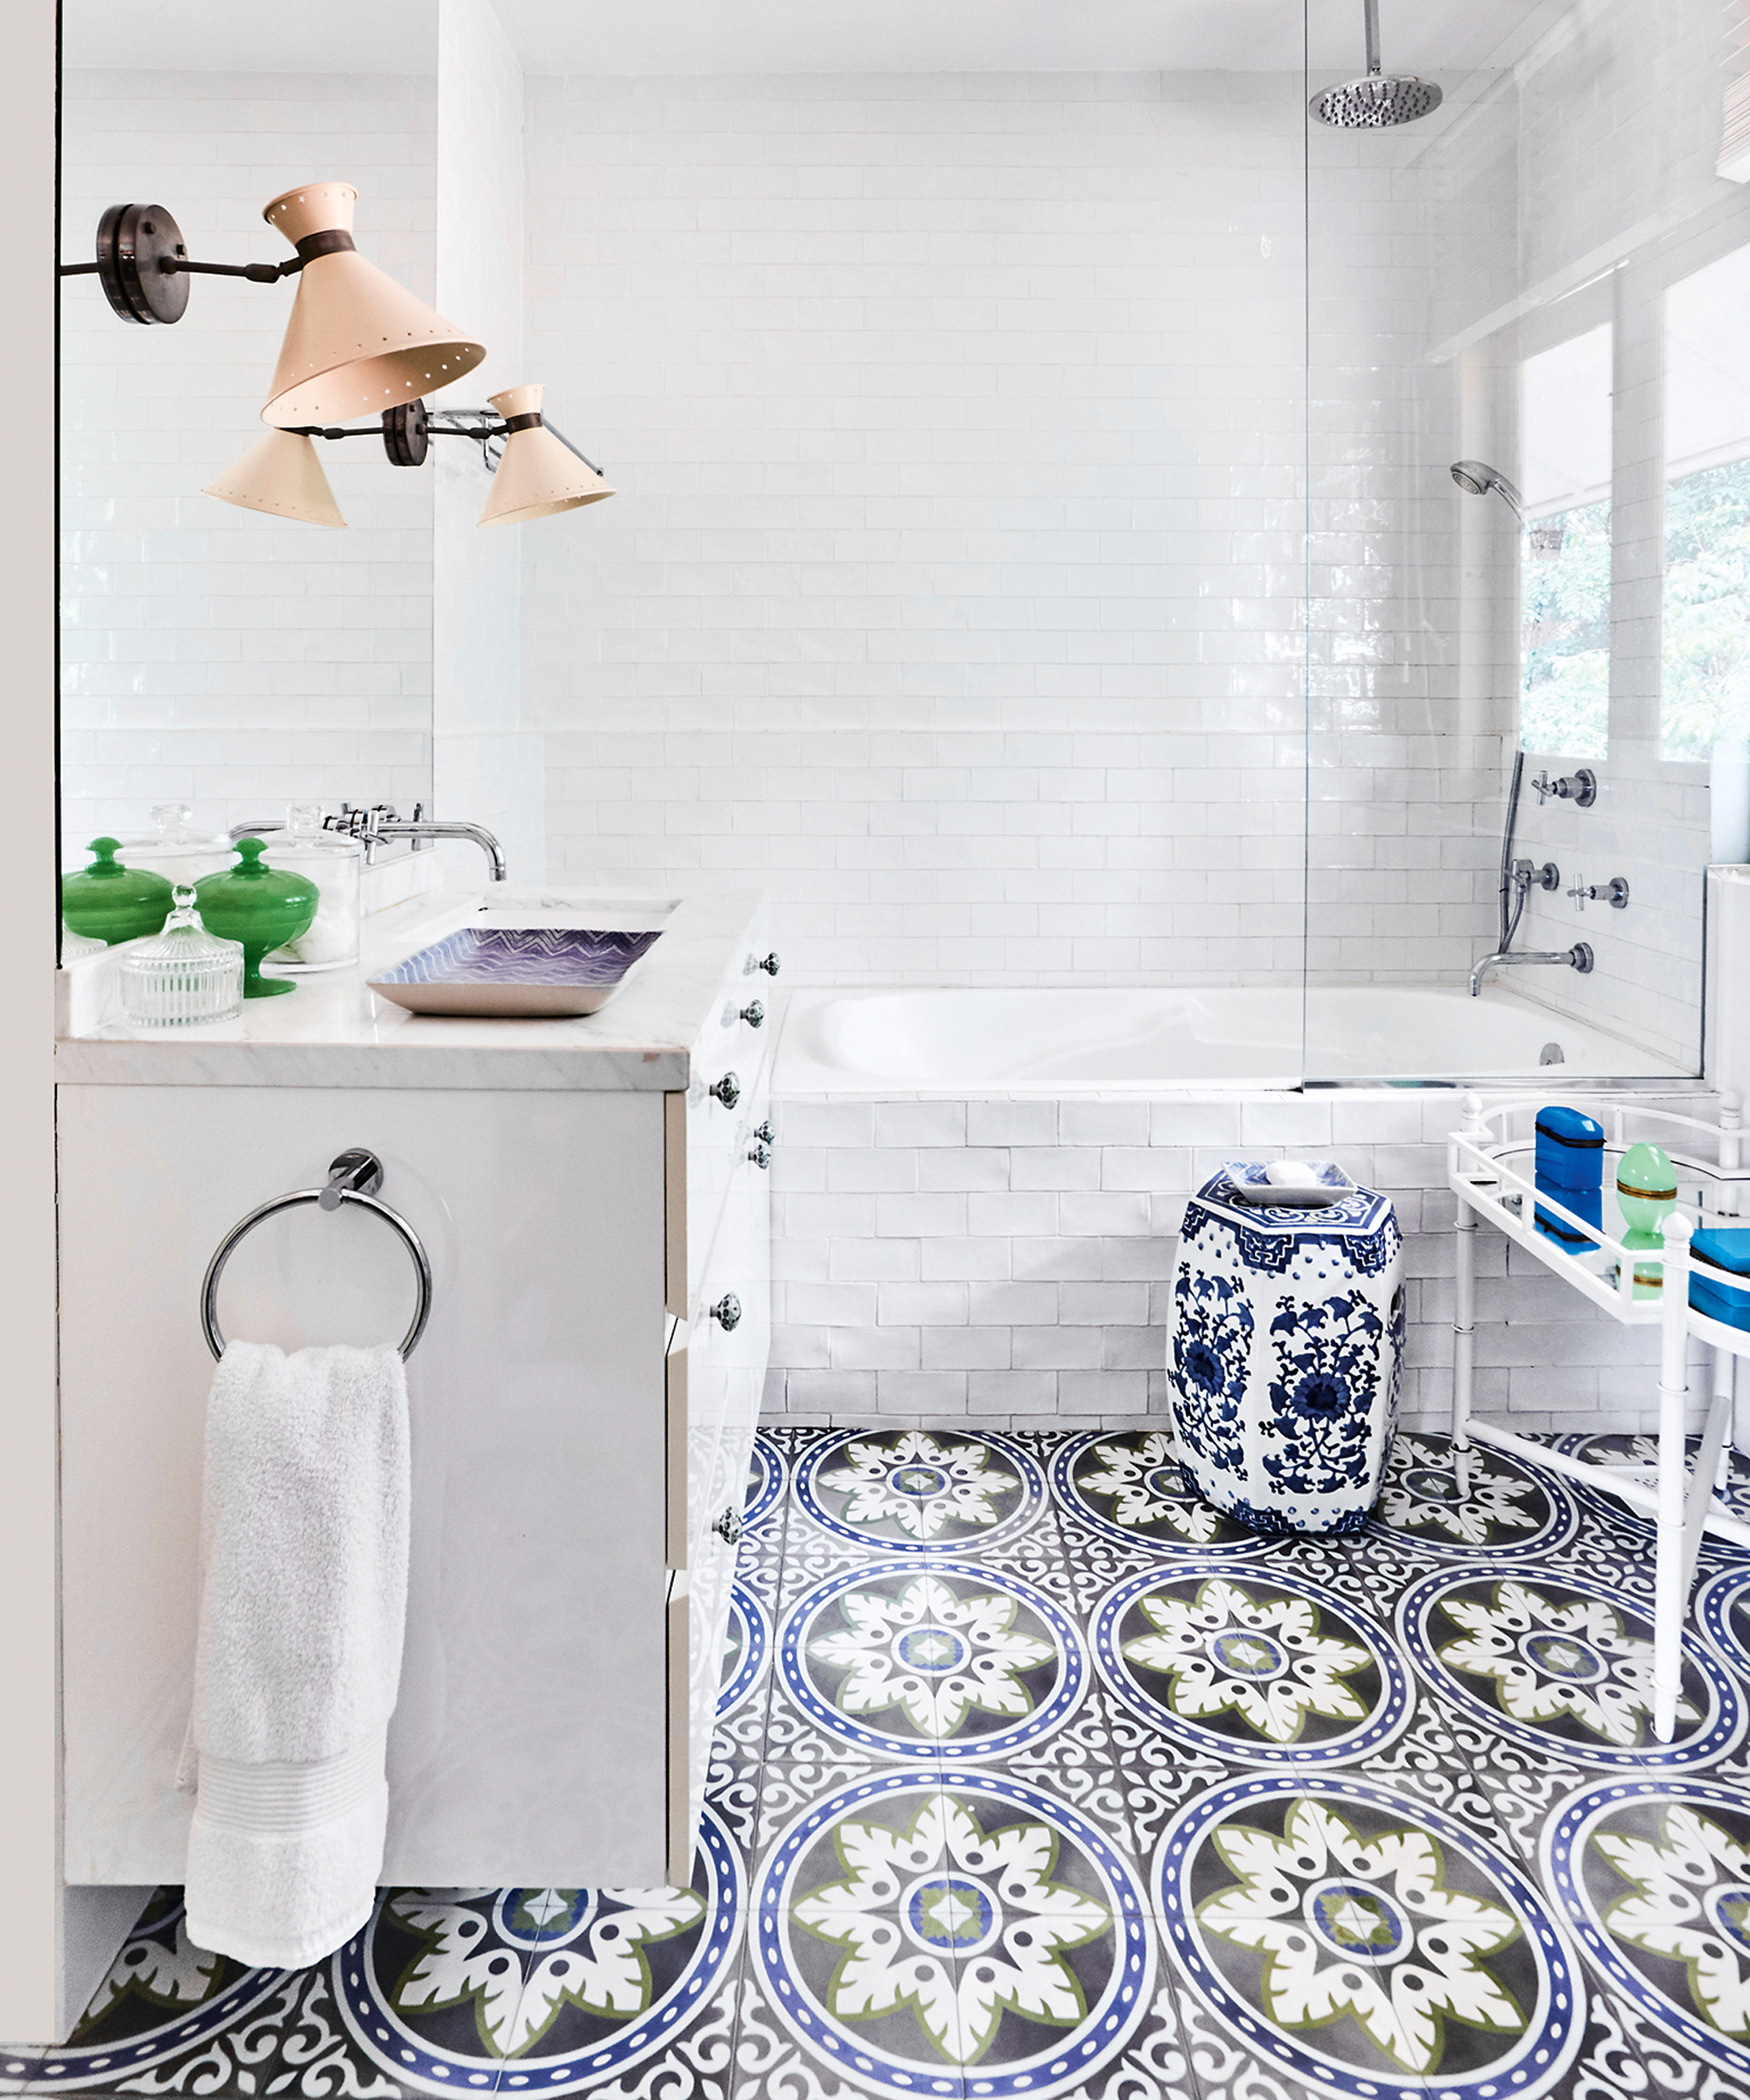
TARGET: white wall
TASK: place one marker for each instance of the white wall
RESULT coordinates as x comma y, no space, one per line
213,654
951,595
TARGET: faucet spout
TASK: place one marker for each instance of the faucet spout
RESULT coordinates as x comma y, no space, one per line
441,827
1579,957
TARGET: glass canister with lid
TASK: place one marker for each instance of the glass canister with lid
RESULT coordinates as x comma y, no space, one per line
174,847
335,864
184,974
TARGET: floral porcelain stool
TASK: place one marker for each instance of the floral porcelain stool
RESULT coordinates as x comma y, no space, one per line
1284,1343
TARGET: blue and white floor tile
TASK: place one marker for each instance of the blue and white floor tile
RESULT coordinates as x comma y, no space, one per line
1033,1777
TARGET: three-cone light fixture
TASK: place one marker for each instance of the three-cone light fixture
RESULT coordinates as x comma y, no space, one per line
357,344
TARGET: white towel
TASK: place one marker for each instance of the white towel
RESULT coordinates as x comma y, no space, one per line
304,1543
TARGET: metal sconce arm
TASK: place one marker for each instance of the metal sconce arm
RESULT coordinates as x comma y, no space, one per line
407,429
144,266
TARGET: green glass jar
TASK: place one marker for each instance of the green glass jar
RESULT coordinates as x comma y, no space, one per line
108,902
261,907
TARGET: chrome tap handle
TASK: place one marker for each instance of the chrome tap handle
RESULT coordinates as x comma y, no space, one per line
1614,893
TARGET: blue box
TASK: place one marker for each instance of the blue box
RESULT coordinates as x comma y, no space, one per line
1727,1250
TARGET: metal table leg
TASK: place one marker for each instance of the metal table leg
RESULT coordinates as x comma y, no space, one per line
1671,1589
1464,1341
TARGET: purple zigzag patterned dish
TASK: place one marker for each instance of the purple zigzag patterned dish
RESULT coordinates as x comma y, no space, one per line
520,973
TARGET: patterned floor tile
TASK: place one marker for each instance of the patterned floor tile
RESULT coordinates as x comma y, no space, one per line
1365,1942
912,1493
1033,1776
1555,1661
171,2017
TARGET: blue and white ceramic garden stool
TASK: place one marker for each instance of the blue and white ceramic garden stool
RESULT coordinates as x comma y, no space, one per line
1284,1347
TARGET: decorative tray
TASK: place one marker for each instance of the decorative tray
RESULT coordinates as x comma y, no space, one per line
515,973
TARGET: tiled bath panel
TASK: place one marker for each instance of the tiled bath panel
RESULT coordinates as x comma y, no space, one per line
1009,1261
1034,1776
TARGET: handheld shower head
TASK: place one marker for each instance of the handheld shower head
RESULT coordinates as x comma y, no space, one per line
1380,99
1477,477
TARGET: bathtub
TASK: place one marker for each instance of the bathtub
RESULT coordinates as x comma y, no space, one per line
1211,1039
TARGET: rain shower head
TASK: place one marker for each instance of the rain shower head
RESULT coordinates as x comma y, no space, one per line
1381,99
1477,477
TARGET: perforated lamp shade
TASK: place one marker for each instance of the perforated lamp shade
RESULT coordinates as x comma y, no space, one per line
537,475
356,343
282,475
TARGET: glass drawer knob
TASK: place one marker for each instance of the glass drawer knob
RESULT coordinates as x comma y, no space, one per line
727,1090
765,1134
770,964
761,1155
754,1014
728,1526
727,1311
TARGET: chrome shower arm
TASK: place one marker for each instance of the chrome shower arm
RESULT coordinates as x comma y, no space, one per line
1371,9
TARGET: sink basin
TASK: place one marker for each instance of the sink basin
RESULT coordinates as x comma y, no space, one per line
495,966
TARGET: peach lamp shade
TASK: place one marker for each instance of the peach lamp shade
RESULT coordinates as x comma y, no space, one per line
282,476
537,476
356,343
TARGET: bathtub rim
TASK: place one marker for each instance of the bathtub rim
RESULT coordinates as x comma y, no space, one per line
1269,1087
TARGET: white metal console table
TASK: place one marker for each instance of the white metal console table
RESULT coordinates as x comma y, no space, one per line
1490,1167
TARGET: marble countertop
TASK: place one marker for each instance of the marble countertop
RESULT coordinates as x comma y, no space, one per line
334,1031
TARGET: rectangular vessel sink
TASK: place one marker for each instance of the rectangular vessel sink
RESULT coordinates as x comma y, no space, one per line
508,972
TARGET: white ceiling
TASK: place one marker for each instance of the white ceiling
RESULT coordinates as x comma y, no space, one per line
810,36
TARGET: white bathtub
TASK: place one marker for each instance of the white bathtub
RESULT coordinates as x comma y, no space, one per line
1221,1038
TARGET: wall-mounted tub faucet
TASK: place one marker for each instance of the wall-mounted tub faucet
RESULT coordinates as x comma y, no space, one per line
1580,789
1579,957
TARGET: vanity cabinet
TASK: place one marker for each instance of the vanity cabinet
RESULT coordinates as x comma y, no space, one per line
582,1423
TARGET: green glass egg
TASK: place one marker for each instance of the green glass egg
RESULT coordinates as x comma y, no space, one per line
1646,1187
261,907
108,902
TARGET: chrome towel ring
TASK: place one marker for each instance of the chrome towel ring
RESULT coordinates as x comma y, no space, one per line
355,1176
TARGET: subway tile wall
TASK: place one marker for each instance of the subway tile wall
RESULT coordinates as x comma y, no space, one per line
1008,1263
955,593
213,655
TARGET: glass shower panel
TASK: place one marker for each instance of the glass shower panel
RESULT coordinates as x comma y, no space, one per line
1564,630
1528,541
1704,658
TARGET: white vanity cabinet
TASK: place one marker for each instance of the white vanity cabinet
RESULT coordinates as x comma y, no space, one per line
580,1439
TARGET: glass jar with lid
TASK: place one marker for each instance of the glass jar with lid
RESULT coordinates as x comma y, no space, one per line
184,974
174,847
335,863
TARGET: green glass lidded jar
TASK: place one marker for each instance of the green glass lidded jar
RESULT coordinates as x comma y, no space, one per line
261,907
108,902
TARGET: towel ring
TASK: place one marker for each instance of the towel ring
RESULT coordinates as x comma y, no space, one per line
355,1176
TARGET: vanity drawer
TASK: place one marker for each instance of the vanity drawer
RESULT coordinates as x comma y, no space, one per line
697,1626
709,1151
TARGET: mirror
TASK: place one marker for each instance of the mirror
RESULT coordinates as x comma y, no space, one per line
214,656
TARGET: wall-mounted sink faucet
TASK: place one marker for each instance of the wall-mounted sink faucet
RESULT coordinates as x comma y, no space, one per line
375,827
1613,893
1579,957
1580,789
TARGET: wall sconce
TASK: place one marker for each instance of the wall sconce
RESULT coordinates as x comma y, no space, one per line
356,343
332,362
537,472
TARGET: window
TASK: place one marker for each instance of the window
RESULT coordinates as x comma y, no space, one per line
1566,460
1705,683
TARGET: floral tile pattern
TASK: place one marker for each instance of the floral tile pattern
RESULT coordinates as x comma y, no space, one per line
1033,1776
